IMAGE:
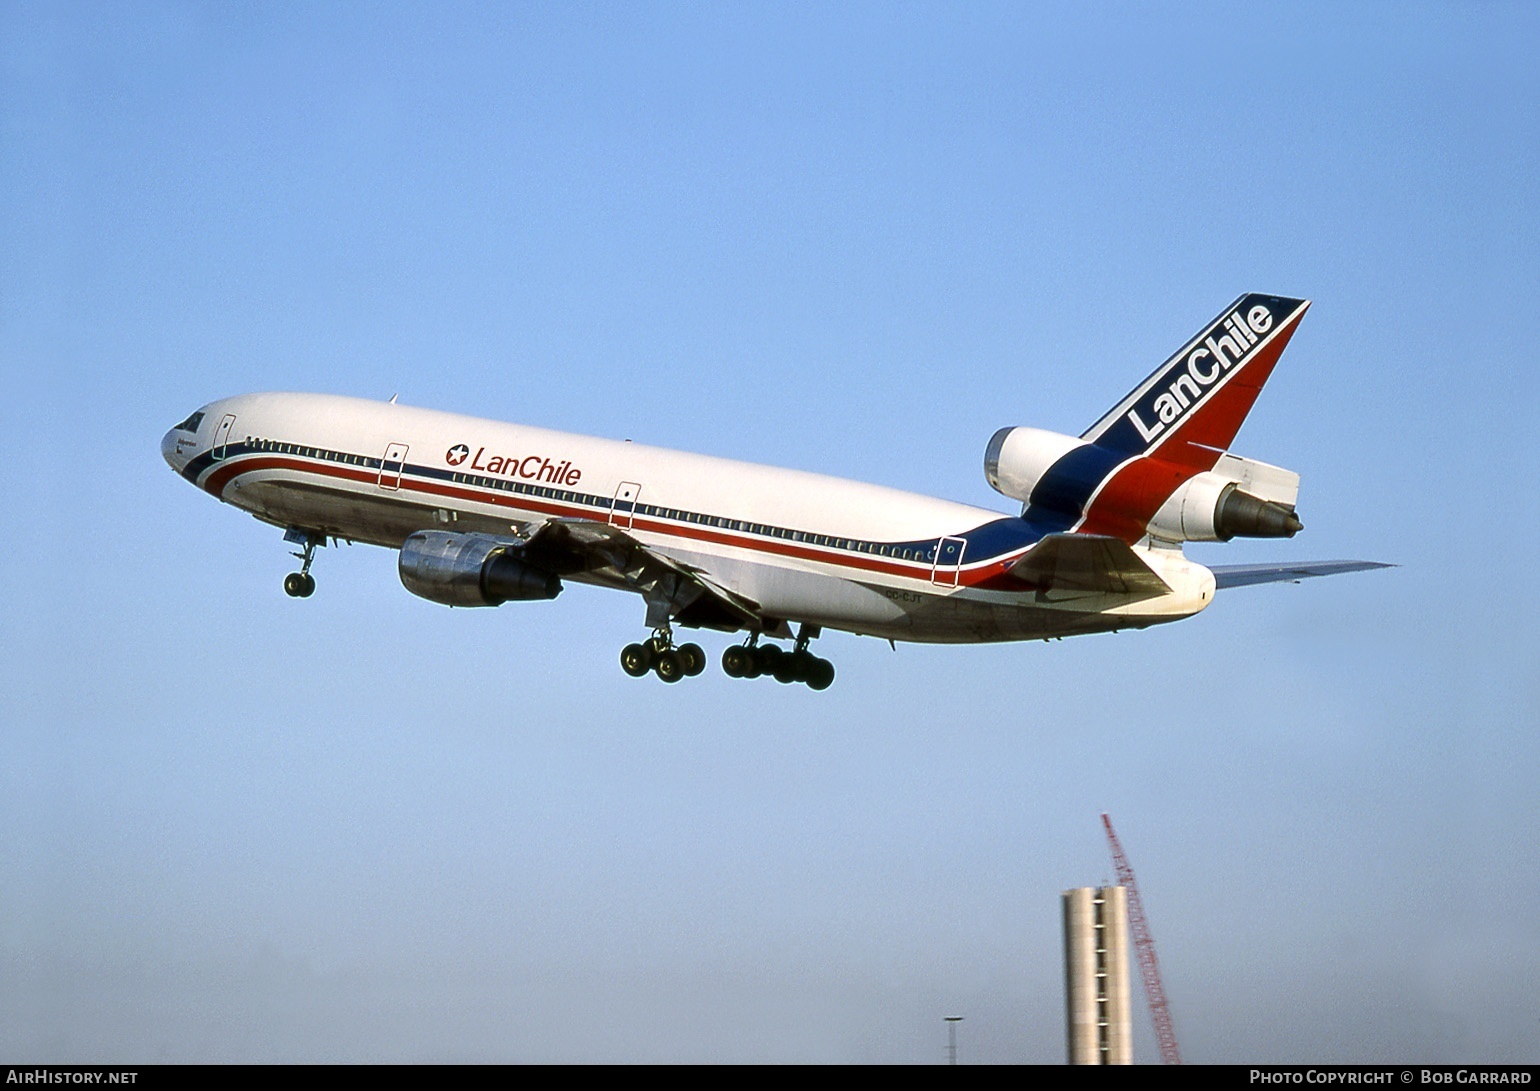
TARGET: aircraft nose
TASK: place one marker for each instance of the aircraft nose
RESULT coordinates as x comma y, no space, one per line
179,444
174,446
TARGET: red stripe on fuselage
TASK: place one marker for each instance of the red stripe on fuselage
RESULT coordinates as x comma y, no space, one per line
217,480
1131,497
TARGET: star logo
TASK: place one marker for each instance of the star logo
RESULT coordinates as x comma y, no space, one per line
456,454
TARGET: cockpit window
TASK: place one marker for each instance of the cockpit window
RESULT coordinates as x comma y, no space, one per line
192,422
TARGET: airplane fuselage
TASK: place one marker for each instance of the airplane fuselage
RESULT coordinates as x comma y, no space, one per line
801,547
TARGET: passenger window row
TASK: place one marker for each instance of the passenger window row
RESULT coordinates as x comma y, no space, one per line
908,552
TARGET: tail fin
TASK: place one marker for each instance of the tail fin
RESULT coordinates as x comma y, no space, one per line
1179,421
1174,425
1200,396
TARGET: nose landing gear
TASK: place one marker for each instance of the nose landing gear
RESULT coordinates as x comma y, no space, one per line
301,584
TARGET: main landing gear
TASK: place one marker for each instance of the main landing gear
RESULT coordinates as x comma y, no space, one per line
753,660
661,657
301,584
749,660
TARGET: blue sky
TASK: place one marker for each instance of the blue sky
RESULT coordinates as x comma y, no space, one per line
857,240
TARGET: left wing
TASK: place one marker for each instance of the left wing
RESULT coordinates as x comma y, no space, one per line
1244,575
671,589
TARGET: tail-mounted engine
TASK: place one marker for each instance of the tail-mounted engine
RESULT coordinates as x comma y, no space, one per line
1237,498
1213,507
1017,458
471,570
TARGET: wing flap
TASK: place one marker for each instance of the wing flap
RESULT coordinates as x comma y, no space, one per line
668,585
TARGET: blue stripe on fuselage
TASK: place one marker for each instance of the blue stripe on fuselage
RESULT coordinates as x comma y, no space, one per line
1060,496
1008,534
988,541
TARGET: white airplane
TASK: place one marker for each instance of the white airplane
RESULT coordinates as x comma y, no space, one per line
485,513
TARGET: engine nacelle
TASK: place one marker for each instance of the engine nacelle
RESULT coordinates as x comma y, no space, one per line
1017,458
1238,498
470,570
1213,507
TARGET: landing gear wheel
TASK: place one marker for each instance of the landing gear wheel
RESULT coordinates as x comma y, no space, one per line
821,676
766,656
301,584
736,662
796,667
635,660
694,657
670,666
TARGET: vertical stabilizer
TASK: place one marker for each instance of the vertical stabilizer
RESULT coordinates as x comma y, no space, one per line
1174,425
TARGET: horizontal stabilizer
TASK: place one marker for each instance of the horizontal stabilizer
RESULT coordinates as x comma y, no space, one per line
1088,562
1244,575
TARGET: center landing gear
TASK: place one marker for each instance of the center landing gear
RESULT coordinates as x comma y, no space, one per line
751,660
661,657
301,584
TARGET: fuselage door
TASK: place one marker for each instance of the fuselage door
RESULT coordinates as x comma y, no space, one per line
222,436
390,466
623,508
949,555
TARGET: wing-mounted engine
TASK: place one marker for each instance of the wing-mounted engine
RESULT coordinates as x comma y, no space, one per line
471,570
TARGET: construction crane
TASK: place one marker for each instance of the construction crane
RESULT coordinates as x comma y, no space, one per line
1144,945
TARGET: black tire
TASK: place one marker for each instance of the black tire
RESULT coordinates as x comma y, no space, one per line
308,587
669,666
821,676
736,662
635,660
766,656
694,659
294,585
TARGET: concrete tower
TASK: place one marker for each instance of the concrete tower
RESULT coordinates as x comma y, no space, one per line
1096,976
